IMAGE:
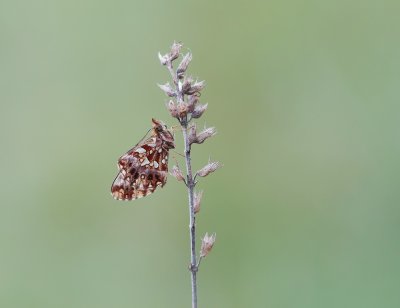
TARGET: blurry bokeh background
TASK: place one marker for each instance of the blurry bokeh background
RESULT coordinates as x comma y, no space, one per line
305,96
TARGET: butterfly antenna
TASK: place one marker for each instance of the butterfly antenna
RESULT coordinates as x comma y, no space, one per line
139,141
178,154
144,137
176,128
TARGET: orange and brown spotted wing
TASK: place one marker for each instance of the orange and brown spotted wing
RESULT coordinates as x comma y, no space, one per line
145,182
141,170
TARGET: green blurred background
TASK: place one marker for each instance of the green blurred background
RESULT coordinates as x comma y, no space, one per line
305,96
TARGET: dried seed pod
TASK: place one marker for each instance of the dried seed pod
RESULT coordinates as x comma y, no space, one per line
197,201
163,58
175,50
192,136
183,65
205,134
196,87
177,173
192,101
173,109
182,109
186,84
209,168
168,90
199,110
207,244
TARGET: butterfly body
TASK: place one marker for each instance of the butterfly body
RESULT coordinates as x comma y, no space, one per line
144,167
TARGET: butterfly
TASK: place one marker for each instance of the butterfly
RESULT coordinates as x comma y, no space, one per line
144,167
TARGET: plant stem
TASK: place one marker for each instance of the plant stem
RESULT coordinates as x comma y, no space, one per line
190,183
192,219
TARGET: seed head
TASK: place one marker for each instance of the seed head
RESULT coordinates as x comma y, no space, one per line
207,244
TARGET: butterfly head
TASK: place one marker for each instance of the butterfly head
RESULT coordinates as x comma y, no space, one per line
161,130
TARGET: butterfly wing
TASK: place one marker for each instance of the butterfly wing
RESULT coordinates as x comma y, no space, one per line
126,187
141,170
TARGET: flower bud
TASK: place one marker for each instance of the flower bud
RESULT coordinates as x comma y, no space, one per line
177,173
167,89
199,110
209,168
207,244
